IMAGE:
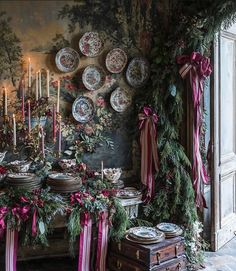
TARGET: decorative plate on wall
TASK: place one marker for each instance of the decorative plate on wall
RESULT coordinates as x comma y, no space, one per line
116,60
120,99
93,77
90,44
83,109
138,72
67,60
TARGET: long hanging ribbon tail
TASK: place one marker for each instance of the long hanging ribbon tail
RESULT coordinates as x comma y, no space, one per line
199,171
149,156
102,242
34,223
11,249
198,67
85,243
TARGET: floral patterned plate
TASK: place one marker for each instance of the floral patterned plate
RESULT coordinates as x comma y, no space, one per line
93,77
168,227
116,60
67,60
147,233
120,99
138,72
59,176
90,44
83,109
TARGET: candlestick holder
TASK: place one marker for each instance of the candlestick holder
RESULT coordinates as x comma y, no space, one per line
58,154
15,150
5,118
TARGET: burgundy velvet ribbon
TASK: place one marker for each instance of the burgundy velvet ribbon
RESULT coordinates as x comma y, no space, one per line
85,243
102,241
198,67
149,157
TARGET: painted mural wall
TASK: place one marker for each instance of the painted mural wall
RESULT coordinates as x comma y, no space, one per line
38,30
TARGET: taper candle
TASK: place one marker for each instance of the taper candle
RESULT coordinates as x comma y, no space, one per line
54,120
37,87
58,97
40,84
5,101
29,116
59,136
29,73
23,99
14,129
48,79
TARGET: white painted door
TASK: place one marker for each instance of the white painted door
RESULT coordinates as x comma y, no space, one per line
224,139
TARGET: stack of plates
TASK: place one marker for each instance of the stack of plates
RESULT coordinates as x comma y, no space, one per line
23,180
119,184
171,230
63,183
145,235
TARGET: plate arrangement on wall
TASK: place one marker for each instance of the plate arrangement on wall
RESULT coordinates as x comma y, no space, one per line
91,44
67,60
120,99
116,60
83,109
138,72
93,77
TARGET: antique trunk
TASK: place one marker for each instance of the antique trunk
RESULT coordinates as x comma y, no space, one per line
149,255
120,263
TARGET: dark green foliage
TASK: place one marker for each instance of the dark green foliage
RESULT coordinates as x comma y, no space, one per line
191,26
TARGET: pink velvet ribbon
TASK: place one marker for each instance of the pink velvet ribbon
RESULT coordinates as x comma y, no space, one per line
102,241
198,67
85,243
149,157
11,249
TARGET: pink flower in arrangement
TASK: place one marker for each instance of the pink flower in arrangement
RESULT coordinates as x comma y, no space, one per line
100,102
3,170
106,193
88,130
69,86
55,84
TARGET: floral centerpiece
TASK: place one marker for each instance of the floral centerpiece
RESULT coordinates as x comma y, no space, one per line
39,111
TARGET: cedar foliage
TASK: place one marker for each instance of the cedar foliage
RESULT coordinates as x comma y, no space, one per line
190,26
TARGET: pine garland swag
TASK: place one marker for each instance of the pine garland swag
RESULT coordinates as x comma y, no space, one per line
189,28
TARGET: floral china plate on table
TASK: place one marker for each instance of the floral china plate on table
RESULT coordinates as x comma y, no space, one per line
120,99
138,72
168,227
83,109
20,175
148,233
93,77
116,60
90,44
60,176
67,60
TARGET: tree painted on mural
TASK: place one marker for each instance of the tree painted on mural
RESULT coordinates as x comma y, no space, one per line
10,51
124,23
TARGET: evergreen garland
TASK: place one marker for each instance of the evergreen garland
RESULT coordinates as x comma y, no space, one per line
190,26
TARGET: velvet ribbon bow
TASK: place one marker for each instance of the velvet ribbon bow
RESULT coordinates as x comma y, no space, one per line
198,67
149,157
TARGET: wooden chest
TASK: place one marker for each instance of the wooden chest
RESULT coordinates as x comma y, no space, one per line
120,263
149,255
